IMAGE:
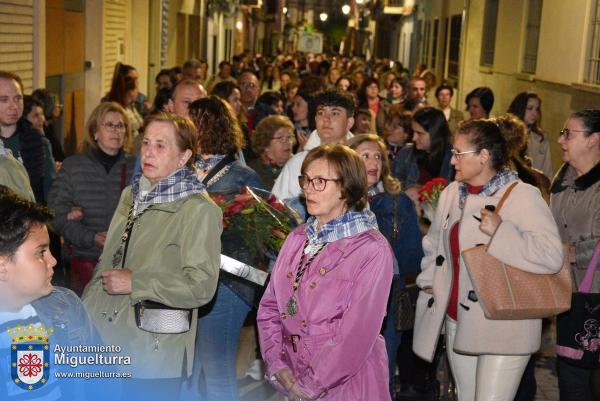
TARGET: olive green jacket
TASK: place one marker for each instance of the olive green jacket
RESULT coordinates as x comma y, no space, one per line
14,176
174,255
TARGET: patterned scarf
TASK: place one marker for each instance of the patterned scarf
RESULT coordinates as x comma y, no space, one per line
375,189
181,184
498,181
348,224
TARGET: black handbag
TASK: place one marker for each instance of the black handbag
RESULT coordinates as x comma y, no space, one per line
578,329
407,303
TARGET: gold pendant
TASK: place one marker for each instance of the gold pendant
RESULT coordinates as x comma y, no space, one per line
292,306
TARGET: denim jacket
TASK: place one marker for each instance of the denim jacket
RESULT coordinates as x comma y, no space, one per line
237,177
63,311
405,167
407,245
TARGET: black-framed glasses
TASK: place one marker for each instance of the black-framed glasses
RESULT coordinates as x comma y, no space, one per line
318,183
566,132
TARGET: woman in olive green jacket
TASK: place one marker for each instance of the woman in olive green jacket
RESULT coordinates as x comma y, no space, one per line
171,257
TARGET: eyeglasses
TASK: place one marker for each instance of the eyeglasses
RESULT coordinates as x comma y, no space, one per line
115,127
318,183
458,155
566,132
283,139
247,85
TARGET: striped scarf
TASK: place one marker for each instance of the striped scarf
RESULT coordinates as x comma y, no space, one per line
348,224
181,184
497,182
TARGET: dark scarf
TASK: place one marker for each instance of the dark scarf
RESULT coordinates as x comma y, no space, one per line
580,183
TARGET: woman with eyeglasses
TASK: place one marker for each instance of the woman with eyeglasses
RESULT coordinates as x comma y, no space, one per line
86,190
487,357
320,317
575,203
273,141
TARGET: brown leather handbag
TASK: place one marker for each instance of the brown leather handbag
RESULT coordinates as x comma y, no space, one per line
509,293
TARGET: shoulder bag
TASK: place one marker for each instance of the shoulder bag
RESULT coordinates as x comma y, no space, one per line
578,330
152,316
509,293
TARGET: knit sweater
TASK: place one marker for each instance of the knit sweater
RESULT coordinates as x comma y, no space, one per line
83,182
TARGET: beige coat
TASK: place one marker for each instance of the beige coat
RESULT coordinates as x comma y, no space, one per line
527,238
14,176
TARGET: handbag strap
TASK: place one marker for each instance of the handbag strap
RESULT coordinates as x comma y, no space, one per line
218,167
505,196
586,283
394,220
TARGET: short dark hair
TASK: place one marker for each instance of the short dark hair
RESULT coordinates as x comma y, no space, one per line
444,87
161,99
224,63
271,98
29,102
18,216
335,98
349,167
486,134
590,119
162,72
485,96
224,89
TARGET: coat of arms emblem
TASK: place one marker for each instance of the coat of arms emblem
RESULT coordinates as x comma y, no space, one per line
30,356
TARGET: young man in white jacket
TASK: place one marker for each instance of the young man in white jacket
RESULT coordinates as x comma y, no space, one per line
334,118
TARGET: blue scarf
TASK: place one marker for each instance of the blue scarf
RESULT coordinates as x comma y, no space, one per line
181,184
497,182
348,224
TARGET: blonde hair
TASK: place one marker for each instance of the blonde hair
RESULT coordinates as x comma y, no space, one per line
96,118
390,183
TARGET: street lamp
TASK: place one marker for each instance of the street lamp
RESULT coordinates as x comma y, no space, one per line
323,17
346,9
239,25
360,1
285,10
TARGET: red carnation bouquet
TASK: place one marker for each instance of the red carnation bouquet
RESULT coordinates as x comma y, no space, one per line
259,219
429,195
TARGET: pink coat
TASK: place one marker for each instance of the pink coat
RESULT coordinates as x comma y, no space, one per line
332,344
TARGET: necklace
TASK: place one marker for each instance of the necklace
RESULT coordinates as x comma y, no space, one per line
292,304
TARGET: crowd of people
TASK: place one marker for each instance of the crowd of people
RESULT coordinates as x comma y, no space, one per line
348,146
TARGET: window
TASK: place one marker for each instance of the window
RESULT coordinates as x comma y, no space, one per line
454,51
488,42
592,74
532,36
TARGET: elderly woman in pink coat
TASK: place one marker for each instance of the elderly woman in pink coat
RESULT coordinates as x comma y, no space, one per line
321,314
